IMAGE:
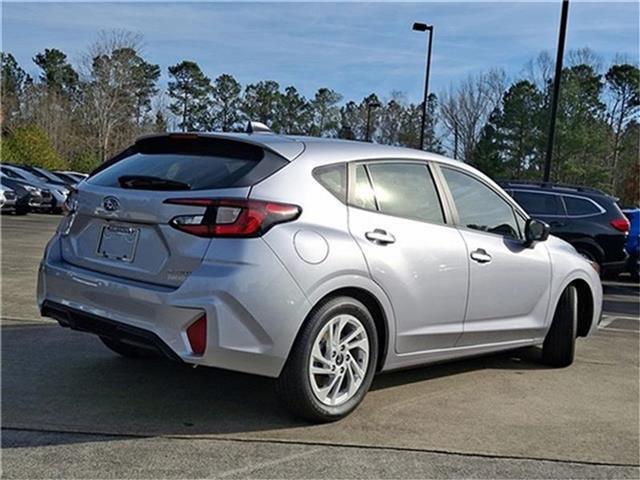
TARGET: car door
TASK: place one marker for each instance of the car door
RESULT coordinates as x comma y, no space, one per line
417,258
509,282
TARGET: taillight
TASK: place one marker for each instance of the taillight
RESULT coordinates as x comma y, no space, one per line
197,335
621,224
230,217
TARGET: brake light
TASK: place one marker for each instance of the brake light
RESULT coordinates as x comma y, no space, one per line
197,335
621,224
230,217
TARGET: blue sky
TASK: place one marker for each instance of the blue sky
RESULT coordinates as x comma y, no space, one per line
354,48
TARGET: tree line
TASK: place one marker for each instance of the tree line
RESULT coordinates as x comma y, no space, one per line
78,115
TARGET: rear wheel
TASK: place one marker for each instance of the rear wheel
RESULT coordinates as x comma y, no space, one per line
126,349
331,365
559,345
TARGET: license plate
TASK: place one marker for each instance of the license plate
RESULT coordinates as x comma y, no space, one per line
118,242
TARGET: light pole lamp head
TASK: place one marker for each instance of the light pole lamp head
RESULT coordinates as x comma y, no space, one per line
422,27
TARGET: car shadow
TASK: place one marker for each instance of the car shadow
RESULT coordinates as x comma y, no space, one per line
55,379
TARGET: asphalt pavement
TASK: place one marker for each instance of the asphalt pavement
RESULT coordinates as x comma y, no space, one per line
72,409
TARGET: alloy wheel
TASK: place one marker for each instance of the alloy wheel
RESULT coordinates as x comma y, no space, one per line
339,360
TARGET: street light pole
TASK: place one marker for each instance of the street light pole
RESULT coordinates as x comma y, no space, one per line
423,27
556,89
369,107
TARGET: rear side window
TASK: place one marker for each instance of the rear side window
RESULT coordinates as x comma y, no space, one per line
580,206
363,194
188,164
334,179
539,203
406,190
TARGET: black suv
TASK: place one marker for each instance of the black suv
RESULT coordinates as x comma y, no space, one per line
587,218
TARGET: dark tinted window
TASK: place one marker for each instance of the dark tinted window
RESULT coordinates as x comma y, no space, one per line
580,206
539,203
334,179
406,190
479,207
197,171
363,194
10,173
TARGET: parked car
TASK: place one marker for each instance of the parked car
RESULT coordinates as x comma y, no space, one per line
47,176
316,261
58,190
29,197
77,176
587,218
632,242
8,199
71,180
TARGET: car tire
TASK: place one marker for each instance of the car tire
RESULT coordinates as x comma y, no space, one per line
22,210
558,349
126,349
300,390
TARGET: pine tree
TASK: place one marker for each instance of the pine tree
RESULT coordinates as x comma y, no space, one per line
189,90
225,94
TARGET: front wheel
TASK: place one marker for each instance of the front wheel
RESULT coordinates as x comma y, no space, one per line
332,363
559,345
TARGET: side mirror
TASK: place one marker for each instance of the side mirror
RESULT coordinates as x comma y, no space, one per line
536,231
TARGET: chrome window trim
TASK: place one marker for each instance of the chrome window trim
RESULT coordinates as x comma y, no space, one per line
601,210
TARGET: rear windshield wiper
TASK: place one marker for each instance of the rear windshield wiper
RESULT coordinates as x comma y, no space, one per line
144,182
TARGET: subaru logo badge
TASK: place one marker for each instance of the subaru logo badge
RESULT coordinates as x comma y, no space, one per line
111,204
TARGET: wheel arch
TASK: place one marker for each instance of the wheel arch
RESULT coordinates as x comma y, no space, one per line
367,292
586,304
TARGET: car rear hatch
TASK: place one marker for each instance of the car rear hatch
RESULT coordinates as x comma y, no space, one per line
121,221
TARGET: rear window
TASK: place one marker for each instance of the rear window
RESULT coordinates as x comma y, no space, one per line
188,164
580,206
539,203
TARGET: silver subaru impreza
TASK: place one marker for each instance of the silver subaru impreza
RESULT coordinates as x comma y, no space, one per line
318,262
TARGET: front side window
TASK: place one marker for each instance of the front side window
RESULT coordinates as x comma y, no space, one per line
535,203
406,190
479,207
580,206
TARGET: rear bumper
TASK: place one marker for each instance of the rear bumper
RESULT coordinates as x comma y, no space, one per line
104,327
249,328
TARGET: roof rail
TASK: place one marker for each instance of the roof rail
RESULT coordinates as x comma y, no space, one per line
257,127
551,185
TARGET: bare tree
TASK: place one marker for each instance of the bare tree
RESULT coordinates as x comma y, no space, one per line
465,109
108,88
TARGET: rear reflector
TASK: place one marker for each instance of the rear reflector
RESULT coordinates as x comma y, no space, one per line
621,224
231,217
197,335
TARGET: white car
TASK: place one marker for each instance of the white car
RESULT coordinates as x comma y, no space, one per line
8,199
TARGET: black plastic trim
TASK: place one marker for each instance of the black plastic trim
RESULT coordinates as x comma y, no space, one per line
104,327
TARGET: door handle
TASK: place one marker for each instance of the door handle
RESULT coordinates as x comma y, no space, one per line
380,236
480,255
